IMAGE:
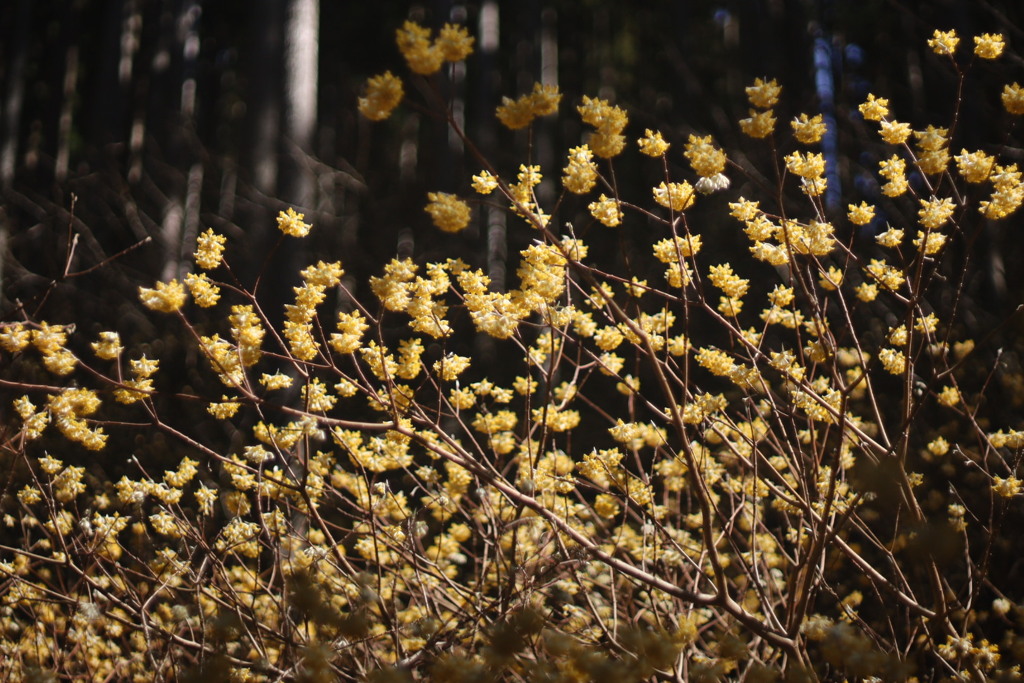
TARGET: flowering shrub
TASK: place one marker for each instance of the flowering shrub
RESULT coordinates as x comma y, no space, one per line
777,468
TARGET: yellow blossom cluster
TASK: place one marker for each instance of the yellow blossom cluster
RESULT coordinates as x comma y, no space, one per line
392,497
425,56
384,92
608,121
521,112
580,174
448,212
763,95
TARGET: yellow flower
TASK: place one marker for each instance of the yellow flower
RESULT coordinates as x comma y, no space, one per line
609,120
932,139
894,169
519,113
894,132
607,211
414,43
764,95
866,291
1007,195
223,410
808,165
455,43
205,293
935,212
607,144
290,223
383,93
949,396
167,297
890,238
209,249
744,209
933,162
448,212
874,109
670,250
861,214
831,279
108,347
975,167
485,183
544,99
1006,488
704,158
1013,98
988,45
722,276
931,243
515,114
451,366
652,144
600,114
943,42
14,337
275,381
808,130
759,125
409,363
893,361
676,196
580,175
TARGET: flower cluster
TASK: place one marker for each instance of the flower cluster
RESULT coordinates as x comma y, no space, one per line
775,466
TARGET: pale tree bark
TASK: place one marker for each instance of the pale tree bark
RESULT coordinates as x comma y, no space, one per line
11,118
180,221
301,54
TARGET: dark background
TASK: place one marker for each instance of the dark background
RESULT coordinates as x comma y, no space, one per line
128,120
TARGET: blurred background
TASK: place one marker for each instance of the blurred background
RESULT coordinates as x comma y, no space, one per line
130,120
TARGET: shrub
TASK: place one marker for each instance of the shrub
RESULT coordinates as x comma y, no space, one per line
780,467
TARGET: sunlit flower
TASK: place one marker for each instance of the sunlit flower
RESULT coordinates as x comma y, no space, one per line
108,347
988,45
580,174
1013,98
935,212
975,167
205,293
519,113
894,132
861,214
484,183
760,124
209,249
166,297
606,210
705,159
448,212
290,223
808,130
943,42
652,143
764,94
676,196
874,109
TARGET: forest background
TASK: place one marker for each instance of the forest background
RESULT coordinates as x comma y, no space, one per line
155,120
128,128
